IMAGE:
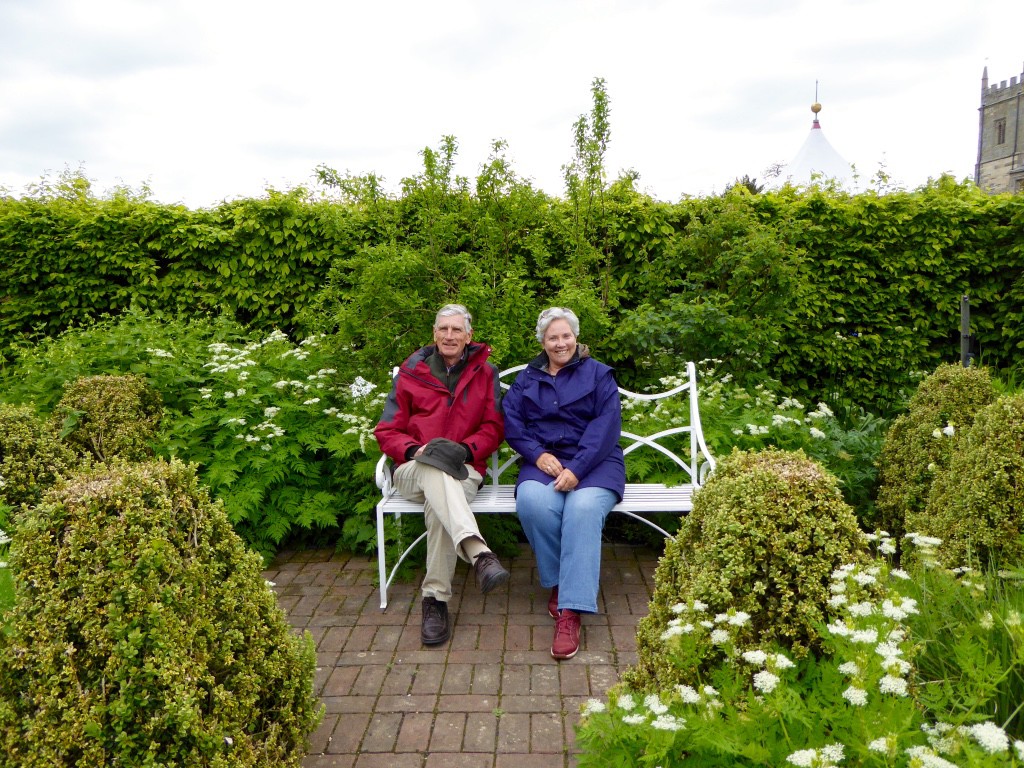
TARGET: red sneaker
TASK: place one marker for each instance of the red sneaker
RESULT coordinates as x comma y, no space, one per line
567,635
553,603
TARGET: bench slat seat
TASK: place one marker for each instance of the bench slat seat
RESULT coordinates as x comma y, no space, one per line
497,498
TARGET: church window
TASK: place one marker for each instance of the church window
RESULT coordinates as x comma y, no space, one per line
1001,131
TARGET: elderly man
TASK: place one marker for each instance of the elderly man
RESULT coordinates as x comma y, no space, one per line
441,422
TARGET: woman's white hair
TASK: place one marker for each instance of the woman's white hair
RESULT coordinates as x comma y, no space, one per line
450,310
556,313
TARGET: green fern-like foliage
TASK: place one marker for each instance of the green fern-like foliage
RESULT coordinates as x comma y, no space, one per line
766,533
920,443
143,633
977,506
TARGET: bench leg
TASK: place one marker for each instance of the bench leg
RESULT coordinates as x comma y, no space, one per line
381,565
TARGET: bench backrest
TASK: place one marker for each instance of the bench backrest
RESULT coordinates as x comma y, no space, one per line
701,462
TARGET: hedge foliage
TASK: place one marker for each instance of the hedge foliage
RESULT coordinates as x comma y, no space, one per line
921,443
765,535
144,634
835,294
109,416
32,456
977,506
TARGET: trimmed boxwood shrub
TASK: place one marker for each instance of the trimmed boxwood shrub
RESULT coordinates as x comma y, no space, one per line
109,416
143,633
920,443
31,455
765,535
977,506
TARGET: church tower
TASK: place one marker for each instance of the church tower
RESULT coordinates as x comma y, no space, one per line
1000,165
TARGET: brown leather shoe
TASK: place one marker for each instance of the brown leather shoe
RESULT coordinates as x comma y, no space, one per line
436,628
553,603
489,572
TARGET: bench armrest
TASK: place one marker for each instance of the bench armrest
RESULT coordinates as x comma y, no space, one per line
382,475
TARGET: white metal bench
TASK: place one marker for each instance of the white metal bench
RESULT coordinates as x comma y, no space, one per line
496,498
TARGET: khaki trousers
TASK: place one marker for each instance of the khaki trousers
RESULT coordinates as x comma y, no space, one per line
448,518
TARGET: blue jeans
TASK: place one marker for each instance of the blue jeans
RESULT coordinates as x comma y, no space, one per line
564,530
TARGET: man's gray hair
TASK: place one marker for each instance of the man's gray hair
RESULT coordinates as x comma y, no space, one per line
557,313
450,310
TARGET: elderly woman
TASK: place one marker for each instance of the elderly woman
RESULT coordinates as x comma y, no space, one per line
562,415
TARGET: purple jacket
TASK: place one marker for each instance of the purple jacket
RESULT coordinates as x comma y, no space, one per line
576,415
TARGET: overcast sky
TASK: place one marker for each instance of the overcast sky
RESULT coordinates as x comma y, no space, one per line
207,100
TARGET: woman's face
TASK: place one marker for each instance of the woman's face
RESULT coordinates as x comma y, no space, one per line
559,343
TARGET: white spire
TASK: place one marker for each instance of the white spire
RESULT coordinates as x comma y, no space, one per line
817,161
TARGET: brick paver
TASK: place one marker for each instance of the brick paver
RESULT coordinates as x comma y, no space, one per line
490,697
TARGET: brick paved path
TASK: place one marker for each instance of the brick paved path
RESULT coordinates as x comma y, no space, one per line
491,697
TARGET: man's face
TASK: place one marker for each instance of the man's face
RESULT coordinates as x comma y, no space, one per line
451,337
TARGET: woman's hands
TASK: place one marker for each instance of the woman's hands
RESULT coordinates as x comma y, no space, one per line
549,464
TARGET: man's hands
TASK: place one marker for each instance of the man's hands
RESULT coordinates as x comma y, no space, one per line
565,480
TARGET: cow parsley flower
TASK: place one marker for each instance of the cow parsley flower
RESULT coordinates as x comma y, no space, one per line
720,637
849,668
778,661
900,611
861,609
864,636
667,723
990,736
755,657
928,759
634,719
856,696
653,703
826,757
688,694
894,685
626,702
817,434
593,706
765,681
879,745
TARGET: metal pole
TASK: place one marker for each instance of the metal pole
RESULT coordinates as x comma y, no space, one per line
965,331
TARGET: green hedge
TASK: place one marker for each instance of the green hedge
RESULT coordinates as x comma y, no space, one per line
834,294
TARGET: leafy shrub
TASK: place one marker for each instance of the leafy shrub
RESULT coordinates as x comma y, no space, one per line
977,506
109,416
872,694
285,445
31,456
920,443
144,634
766,532
970,639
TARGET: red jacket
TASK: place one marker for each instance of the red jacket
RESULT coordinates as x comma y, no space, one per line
420,408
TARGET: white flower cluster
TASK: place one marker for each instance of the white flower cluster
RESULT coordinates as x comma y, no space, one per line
765,680
864,623
662,720
156,352
360,388
824,757
718,635
944,738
